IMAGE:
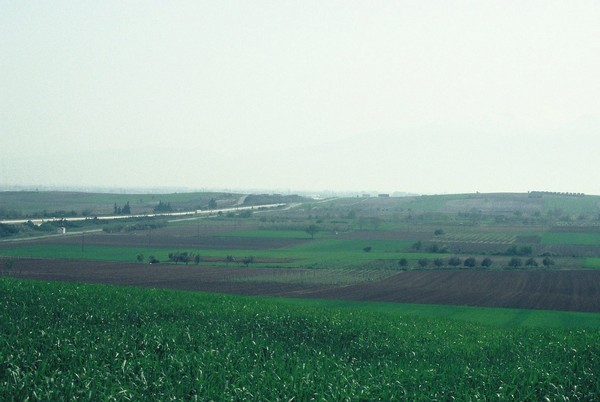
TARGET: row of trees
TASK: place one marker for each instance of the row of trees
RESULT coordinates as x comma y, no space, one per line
163,207
512,250
124,210
186,258
471,262
539,194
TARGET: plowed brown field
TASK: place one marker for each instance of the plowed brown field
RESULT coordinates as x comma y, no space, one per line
577,290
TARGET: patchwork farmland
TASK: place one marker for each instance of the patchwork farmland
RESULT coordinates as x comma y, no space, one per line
515,257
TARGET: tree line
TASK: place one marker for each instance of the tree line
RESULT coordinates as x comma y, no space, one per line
472,262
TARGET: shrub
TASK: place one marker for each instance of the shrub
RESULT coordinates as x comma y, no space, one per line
470,262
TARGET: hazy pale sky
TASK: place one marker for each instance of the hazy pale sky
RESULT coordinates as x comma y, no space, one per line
417,96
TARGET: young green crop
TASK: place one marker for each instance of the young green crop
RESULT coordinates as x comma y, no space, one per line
70,341
590,238
325,253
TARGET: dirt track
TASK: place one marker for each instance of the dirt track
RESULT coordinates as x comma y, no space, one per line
551,290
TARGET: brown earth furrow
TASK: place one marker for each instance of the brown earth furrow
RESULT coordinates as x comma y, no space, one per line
576,290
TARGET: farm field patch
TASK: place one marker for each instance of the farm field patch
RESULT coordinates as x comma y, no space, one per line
26,203
381,238
572,290
276,234
477,237
592,263
146,343
372,298
573,238
325,252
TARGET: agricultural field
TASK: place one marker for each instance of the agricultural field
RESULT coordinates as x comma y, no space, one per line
458,275
356,241
34,204
74,341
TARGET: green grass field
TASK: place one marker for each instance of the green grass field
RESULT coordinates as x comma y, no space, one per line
329,253
571,238
592,262
71,341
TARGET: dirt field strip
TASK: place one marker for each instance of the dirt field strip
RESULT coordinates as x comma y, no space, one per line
575,290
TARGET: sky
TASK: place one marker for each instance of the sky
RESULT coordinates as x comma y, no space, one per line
424,97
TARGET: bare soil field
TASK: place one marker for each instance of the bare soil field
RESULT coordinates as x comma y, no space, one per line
576,290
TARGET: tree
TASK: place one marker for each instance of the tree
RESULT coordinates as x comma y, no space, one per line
417,246
212,204
438,262
153,260
140,258
470,262
522,251
179,257
185,258
434,248
403,262
531,262
547,261
245,214
163,207
126,209
454,261
487,261
248,260
423,262
525,250
367,249
438,232
197,259
312,230
515,262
